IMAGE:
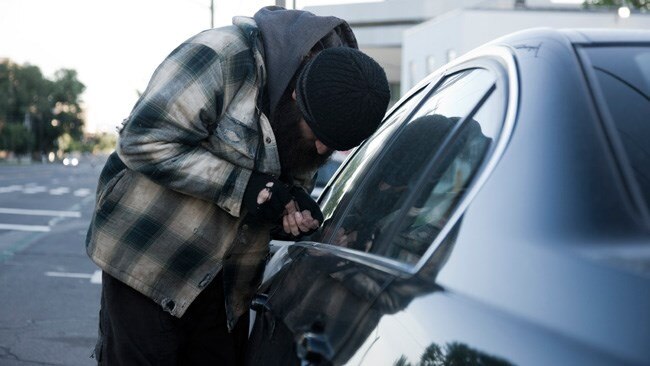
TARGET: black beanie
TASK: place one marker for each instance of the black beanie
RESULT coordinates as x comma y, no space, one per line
343,95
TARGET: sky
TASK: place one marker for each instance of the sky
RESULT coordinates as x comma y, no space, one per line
114,45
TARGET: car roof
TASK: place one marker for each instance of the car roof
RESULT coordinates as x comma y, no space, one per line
577,35
606,35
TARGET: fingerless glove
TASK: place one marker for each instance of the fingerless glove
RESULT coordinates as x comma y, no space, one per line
271,210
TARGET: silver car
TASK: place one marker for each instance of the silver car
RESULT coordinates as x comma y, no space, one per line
500,216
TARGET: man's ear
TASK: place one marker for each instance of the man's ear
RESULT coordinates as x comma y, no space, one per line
293,95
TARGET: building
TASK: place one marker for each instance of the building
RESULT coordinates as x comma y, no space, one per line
380,27
434,43
411,38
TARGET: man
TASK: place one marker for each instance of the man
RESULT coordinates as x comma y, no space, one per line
201,177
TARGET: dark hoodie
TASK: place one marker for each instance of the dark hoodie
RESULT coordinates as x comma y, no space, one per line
288,35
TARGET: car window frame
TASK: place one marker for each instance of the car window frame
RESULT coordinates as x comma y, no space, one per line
502,62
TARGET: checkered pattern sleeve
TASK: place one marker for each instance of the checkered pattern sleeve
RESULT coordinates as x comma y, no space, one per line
166,135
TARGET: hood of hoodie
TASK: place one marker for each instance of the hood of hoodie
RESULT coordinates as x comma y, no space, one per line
288,35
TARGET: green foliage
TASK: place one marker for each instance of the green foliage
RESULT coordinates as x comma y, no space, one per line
402,361
633,4
46,108
453,354
16,138
432,356
65,97
65,142
105,143
101,143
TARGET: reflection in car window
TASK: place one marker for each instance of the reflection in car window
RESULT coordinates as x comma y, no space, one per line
443,188
458,95
366,222
359,160
624,78
326,171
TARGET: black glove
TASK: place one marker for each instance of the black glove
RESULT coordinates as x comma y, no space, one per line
271,210
305,202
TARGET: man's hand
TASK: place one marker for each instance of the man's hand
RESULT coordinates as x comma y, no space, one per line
302,215
345,239
298,222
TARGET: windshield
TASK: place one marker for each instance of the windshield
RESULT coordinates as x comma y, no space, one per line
623,77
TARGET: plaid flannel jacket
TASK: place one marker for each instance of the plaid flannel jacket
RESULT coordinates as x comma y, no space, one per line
168,214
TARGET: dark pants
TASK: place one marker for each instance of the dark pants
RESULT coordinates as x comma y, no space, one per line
134,330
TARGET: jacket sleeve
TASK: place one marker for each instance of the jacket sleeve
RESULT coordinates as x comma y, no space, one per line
165,136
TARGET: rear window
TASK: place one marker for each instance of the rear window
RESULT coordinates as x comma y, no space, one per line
623,77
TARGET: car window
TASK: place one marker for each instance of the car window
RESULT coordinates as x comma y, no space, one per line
359,161
379,199
459,94
623,77
444,185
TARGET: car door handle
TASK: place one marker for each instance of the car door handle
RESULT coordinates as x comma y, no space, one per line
313,349
260,303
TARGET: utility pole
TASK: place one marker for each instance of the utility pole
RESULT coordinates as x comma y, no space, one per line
211,13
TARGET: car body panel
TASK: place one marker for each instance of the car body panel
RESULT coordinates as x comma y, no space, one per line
458,325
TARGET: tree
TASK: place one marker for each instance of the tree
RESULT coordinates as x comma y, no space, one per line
66,90
432,356
105,142
47,109
402,361
460,354
16,138
634,4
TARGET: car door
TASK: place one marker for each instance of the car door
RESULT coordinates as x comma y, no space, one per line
312,292
384,213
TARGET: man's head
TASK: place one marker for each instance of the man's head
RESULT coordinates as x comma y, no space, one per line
343,95
296,142
338,99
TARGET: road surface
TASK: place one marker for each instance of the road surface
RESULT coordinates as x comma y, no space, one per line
49,289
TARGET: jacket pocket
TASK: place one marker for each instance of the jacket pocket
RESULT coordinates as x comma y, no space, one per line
110,187
235,141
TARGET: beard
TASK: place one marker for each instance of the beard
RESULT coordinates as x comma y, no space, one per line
298,154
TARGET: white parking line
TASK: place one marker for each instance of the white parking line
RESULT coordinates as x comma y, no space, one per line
21,211
82,192
38,228
9,189
69,275
34,189
59,191
95,277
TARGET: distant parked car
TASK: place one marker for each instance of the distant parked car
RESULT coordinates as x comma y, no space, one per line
500,216
70,161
